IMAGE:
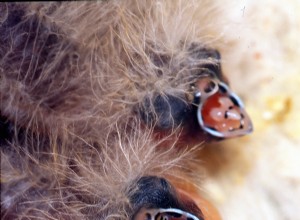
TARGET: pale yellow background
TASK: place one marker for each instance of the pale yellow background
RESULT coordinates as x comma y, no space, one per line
258,176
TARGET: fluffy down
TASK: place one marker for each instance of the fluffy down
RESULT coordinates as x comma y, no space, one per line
72,78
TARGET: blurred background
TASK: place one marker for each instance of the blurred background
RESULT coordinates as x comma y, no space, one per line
258,176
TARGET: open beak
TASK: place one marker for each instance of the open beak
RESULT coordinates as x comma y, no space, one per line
165,214
220,112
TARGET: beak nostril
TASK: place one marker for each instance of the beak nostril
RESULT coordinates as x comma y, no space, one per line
207,87
211,87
